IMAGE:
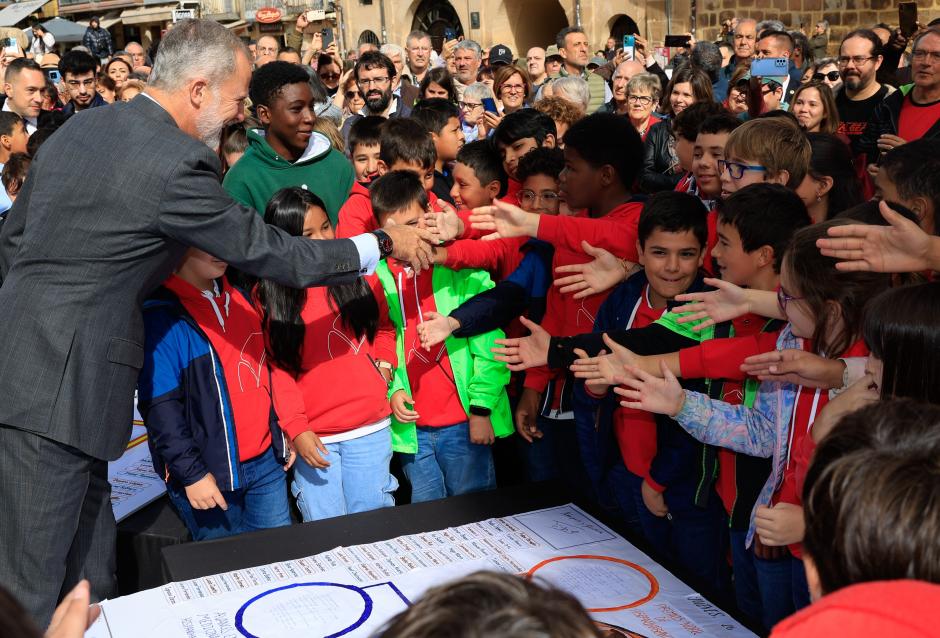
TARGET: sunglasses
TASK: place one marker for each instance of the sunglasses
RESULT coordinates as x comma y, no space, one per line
329,76
832,76
353,94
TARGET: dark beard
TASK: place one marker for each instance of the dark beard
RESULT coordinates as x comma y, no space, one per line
379,104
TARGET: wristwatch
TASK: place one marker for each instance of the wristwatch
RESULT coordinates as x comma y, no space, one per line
385,243
476,410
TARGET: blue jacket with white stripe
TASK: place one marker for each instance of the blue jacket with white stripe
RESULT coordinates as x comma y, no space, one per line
184,400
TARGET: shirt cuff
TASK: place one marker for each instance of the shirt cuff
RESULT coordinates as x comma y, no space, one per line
367,245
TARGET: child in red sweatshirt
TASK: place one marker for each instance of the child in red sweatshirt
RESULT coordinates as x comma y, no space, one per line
213,406
339,344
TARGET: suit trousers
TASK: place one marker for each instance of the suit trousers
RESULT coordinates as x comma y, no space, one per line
57,526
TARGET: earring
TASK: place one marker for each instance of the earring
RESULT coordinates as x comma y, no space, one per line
818,197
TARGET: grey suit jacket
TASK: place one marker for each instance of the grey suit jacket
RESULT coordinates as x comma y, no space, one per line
110,206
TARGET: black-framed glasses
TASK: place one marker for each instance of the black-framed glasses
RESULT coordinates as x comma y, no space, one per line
645,100
783,298
832,76
857,60
736,169
469,106
380,81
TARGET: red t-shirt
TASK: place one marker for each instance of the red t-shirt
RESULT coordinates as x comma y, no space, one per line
916,119
433,386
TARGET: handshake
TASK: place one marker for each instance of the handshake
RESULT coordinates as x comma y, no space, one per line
412,245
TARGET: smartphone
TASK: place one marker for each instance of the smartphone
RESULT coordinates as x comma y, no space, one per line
54,75
10,46
449,34
489,105
629,47
682,41
907,18
768,67
327,34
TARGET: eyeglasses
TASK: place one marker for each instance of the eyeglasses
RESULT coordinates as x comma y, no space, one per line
645,100
783,299
736,170
513,88
90,82
469,106
931,57
857,60
548,198
373,81
354,94
832,76
329,76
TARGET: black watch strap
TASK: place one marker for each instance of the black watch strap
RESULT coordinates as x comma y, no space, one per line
476,410
385,242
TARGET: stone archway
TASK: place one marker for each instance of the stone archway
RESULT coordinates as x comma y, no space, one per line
621,25
368,37
533,22
434,17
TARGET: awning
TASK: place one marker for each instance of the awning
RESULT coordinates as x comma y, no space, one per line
105,22
154,13
64,30
17,11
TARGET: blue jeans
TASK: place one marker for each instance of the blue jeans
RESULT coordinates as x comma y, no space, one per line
261,504
357,479
762,587
694,538
556,455
447,464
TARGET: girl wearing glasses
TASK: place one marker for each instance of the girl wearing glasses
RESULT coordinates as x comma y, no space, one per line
824,307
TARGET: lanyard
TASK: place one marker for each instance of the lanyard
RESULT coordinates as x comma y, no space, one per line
636,307
809,423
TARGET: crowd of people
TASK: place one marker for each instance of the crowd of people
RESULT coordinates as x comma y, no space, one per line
698,296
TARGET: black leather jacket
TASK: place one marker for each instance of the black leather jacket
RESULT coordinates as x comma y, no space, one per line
659,161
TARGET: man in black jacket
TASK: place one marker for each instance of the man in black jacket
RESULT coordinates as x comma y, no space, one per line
98,41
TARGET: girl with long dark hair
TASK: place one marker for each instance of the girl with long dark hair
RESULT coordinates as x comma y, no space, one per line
831,184
339,344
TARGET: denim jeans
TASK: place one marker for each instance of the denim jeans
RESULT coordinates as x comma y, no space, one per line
447,464
357,479
261,504
694,538
762,587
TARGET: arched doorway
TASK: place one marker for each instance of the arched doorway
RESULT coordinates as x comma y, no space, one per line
368,37
622,25
435,17
534,22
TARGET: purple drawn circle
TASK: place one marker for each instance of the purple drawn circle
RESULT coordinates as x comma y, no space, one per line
240,614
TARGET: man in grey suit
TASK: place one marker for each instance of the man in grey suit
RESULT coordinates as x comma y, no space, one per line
81,249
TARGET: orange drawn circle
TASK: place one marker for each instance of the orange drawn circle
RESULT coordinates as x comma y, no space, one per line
654,584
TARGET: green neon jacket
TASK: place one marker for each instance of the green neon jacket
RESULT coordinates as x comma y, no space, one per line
480,379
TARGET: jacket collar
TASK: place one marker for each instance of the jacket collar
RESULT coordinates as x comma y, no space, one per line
152,109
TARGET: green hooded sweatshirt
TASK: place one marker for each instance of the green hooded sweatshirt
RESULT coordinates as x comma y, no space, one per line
480,379
261,172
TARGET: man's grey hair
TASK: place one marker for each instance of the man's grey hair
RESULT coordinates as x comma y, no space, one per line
134,42
81,48
707,57
744,21
478,90
416,35
393,49
195,48
770,25
647,82
470,45
564,33
575,88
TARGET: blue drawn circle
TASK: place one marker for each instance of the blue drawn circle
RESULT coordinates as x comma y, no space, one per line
240,615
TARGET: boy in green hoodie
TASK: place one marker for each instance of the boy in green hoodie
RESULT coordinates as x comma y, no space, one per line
287,151
448,403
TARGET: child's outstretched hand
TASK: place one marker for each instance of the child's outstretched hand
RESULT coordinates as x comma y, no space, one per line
74,615
435,329
712,307
781,524
603,273
311,449
399,404
861,393
524,352
505,220
204,494
602,369
444,224
643,391
481,430
797,367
